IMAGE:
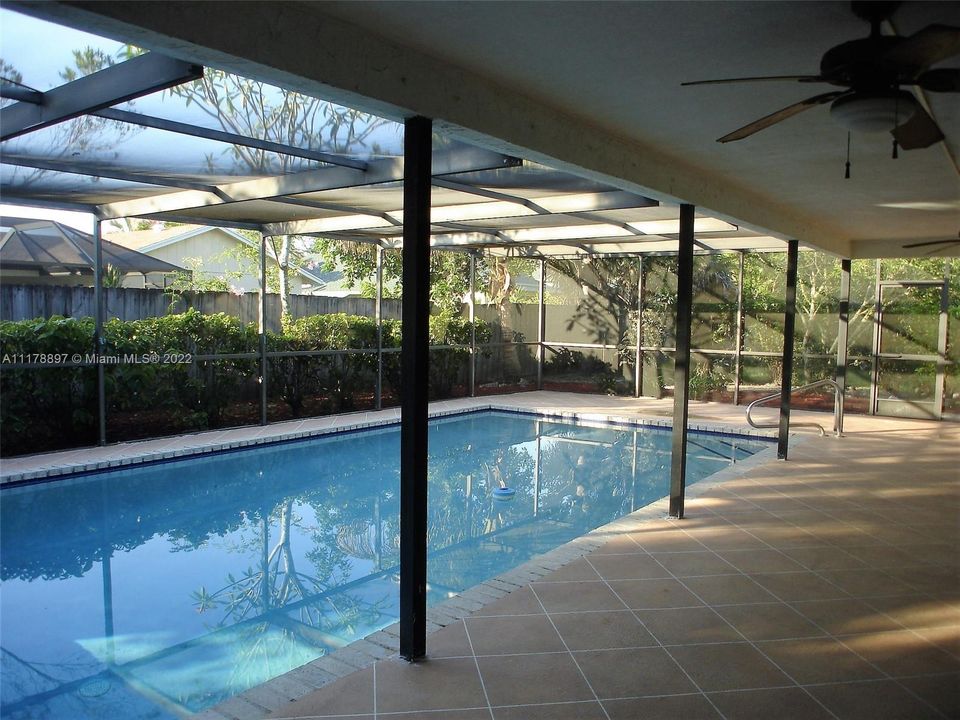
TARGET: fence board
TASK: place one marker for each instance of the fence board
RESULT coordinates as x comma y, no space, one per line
26,302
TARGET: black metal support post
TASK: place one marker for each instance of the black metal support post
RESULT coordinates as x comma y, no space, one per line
789,323
737,362
681,363
541,322
263,330
413,391
378,314
843,318
98,339
641,297
473,324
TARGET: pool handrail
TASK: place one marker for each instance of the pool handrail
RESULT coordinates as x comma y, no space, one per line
837,408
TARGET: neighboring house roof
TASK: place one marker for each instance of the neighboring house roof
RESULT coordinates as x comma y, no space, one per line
149,240
50,247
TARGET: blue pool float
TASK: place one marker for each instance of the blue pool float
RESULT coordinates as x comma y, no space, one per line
503,493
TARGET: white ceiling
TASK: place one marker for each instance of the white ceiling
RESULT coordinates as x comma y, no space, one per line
596,86
619,66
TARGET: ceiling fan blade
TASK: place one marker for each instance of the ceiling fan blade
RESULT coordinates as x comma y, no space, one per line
930,242
919,131
761,78
926,47
780,115
940,80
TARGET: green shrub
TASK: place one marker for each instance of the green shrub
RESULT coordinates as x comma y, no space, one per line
46,408
49,408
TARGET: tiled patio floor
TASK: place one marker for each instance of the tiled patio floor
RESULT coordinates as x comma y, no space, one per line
824,587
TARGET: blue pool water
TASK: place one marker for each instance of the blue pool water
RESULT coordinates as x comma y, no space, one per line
164,589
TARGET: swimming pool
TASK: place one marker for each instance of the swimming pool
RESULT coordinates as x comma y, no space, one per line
163,589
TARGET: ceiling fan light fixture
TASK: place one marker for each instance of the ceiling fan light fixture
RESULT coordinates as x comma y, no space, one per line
872,112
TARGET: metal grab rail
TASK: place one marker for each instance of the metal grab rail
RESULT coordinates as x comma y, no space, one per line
837,408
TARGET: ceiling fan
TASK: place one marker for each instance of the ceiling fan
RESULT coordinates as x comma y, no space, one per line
935,243
872,70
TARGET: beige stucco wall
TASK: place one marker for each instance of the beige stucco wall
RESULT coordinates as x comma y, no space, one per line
218,253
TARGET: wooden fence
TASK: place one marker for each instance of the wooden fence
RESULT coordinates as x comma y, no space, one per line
25,302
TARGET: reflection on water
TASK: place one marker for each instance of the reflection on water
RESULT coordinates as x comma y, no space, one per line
168,588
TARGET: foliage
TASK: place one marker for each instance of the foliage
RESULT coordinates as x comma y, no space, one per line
706,379
42,409
575,364
112,277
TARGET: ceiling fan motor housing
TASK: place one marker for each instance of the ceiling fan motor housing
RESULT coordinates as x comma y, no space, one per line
861,65
868,111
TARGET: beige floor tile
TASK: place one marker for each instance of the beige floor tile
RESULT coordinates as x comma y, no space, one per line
941,691
665,540
938,581
620,544
728,590
727,538
654,593
945,638
673,707
760,561
431,685
733,666
902,653
774,621
883,556
799,586
529,679
449,642
331,717
352,694
779,703
867,583
601,630
577,570
513,634
845,616
918,611
576,596
786,536
477,714
694,563
631,673
628,567
519,602
687,626
871,700
591,710
818,660
824,558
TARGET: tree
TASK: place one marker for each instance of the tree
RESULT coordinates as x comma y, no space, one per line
81,135
254,109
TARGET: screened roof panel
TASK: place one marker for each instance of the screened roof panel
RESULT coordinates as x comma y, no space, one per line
129,148
293,119
40,64
31,184
230,150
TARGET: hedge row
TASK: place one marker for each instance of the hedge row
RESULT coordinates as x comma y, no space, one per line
53,407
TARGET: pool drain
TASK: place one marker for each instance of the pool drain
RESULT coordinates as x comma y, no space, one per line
94,688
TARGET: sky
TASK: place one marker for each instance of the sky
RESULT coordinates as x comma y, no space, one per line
80,221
